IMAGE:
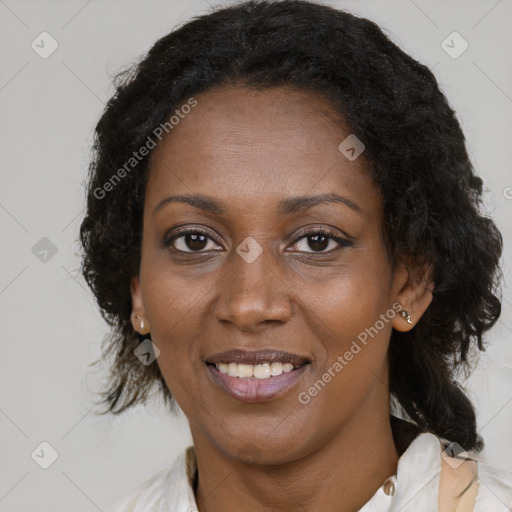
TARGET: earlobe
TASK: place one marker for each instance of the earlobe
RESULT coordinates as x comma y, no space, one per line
414,297
139,322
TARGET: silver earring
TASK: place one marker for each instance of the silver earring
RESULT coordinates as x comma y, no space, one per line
406,316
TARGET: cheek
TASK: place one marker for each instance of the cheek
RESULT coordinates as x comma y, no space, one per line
351,365
174,311
348,317
353,344
348,300
173,303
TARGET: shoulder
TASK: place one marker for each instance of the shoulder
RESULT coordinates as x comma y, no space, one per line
487,487
160,491
494,489
424,472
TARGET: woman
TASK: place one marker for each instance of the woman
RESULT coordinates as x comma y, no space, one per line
283,230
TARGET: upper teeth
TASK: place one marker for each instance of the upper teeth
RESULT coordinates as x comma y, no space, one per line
260,371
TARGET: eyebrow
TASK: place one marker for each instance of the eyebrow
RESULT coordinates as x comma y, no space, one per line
286,206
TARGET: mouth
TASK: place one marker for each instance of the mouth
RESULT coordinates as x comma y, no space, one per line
257,375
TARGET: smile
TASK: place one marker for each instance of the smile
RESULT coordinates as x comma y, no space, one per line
260,371
256,376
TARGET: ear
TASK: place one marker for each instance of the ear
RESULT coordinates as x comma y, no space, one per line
138,312
415,288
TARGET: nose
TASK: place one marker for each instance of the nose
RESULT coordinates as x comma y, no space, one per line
253,294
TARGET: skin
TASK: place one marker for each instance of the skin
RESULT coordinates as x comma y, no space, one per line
249,150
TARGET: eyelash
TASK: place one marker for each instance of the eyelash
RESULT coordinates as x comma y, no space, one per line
333,235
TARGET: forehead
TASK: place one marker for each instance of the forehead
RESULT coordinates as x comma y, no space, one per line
237,143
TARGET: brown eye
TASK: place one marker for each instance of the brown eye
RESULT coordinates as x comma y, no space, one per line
318,241
190,241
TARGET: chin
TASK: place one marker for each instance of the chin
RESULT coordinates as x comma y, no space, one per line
264,453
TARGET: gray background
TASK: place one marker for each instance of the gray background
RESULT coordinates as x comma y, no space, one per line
51,328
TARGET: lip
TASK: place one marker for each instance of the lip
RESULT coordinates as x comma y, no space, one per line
255,357
252,389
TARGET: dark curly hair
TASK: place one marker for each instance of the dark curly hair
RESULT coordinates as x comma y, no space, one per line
415,152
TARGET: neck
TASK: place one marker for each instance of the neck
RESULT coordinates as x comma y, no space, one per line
347,470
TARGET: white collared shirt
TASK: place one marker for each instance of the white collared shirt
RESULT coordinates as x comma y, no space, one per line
415,484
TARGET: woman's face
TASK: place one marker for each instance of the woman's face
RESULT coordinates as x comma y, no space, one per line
252,285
